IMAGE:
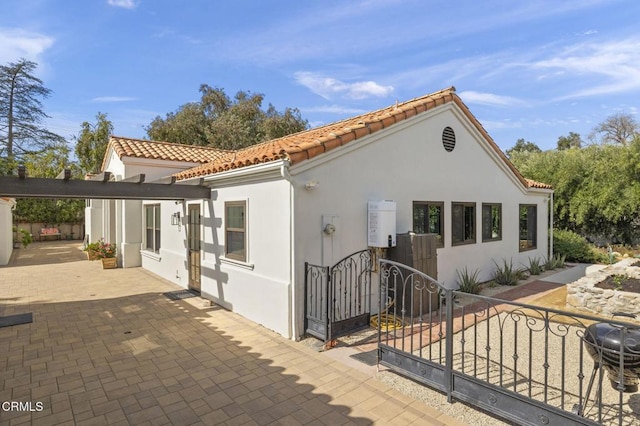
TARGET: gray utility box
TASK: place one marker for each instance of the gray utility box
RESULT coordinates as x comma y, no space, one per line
419,252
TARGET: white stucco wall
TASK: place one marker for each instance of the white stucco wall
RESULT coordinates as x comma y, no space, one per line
408,163
171,262
93,220
121,221
6,230
258,289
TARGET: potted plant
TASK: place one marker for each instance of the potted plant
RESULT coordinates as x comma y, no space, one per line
21,234
92,251
107,253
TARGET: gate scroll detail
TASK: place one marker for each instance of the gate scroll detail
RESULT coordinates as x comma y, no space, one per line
529,364
338,298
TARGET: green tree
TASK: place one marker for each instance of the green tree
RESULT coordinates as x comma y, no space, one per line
523,146
48,164
596,189
21,111
91,143
219,121
572,140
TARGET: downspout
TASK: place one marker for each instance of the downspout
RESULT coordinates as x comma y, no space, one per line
550,226
293,319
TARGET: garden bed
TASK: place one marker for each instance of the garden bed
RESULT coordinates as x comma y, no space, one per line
615,288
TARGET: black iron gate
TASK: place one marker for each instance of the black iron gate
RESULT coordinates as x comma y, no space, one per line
526,363
338,297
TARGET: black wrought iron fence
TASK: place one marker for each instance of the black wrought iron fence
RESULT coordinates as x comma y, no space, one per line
528,364
338,298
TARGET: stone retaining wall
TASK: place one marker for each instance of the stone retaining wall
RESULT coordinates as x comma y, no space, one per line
583,294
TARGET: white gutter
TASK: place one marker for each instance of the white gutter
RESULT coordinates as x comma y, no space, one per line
293,318
255,173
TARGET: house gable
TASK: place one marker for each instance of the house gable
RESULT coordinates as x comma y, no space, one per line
319,141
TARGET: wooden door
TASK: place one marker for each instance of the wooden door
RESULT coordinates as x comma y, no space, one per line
193,240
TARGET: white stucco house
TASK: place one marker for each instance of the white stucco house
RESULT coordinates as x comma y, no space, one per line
245,248
6,229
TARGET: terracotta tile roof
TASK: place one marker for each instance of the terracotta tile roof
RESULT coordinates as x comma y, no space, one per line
533,184
139,148
311,143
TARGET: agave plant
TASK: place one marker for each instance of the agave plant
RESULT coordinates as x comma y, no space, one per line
468,281
535,267
506,274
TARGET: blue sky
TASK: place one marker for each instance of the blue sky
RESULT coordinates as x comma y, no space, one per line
527,69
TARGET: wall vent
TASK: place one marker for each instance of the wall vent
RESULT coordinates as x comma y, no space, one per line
448,139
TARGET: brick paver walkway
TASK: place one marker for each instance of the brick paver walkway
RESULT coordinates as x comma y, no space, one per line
107,347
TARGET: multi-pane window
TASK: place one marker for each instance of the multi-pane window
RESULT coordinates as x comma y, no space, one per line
491,221
528,227
152,227
428,218
463,223
236,230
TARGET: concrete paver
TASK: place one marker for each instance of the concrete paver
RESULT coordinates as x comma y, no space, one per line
107,347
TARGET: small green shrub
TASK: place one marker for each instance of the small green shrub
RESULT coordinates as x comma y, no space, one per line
468,281
506,274
26,237
535,268
573,247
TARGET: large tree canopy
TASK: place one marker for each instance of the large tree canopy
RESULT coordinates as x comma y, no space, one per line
48,164
572,140
21,112
597,188
91,143
523,146
219,121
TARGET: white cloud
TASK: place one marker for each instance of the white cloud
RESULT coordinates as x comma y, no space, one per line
472,97
614,67
106,99
126,4
18,43
327,87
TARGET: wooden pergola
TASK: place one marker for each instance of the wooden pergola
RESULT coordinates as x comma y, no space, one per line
101,187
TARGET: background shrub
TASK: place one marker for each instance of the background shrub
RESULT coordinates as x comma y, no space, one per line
573,247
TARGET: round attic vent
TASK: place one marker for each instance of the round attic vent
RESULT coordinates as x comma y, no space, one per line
448,139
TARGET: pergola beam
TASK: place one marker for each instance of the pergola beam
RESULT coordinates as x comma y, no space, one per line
134,179
102,177
84,189
65,174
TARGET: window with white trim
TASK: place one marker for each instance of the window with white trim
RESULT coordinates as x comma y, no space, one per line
152,227
236,230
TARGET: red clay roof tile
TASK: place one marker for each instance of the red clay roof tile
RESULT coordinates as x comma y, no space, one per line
139,148
303,145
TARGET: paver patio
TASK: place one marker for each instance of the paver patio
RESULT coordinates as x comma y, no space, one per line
107,347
